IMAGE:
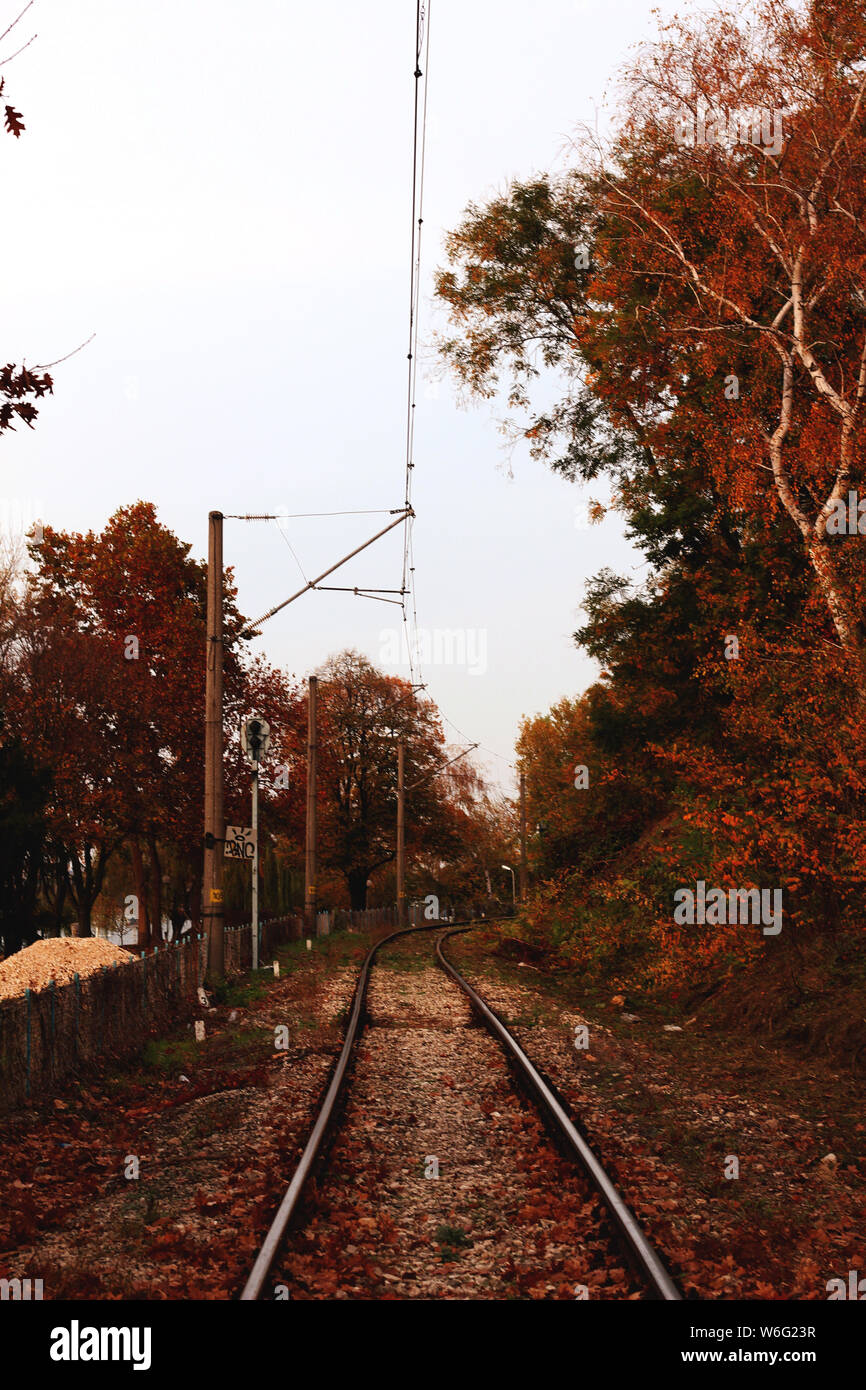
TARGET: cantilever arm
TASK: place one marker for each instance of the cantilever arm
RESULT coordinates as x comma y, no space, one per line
442,767
251,627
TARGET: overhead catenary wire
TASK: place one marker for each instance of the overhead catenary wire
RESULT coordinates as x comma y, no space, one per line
419,142
294,516
294,553
419,146
419,158
411,540
483,747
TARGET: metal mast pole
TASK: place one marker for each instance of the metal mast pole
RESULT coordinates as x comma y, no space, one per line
310,859
401,836
523,874
212,877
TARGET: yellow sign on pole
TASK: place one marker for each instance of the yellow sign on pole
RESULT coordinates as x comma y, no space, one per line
216,895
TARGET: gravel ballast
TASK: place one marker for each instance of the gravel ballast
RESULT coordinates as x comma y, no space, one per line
57,958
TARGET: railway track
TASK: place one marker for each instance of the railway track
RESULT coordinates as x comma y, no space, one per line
408,1096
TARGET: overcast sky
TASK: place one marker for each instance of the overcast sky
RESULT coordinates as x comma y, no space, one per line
221,194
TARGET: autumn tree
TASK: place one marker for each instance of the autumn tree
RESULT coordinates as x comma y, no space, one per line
363,713
112,684
464,865
731,262
24,792
698,293
516,288
63,707
701,288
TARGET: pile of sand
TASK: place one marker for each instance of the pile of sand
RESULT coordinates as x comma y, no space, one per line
57,958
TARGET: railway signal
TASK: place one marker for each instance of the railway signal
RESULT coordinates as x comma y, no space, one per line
256,739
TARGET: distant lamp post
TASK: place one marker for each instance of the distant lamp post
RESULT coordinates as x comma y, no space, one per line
513,888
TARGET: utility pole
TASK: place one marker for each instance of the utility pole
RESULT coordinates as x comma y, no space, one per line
310,859
212,879
523,837
214,839
401,835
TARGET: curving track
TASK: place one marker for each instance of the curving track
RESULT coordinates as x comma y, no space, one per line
428,1080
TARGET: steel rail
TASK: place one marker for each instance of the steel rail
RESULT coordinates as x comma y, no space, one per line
286,1210
641,1252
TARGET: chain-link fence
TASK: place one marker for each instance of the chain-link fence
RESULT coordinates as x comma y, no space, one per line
278,930
273,933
